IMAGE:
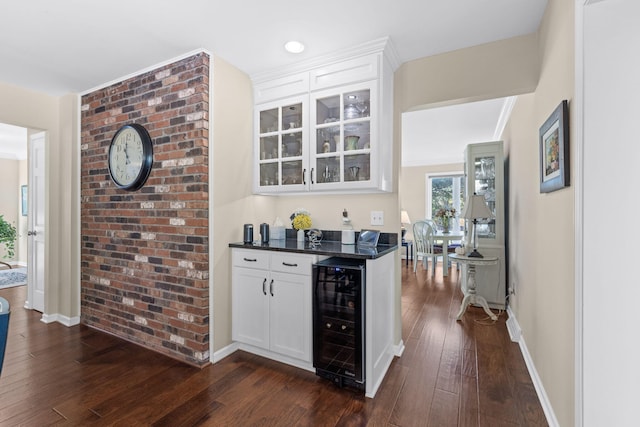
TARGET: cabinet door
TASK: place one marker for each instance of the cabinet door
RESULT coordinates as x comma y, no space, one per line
280,149
343,138
290,308
250,306
486,177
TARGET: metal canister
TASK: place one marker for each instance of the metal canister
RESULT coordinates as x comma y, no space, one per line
264,233
248,234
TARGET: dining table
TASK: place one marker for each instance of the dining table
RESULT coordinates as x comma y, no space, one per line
446,239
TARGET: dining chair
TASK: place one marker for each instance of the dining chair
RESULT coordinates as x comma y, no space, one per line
438,243
425,246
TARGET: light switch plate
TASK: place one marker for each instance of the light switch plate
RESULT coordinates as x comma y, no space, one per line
377,218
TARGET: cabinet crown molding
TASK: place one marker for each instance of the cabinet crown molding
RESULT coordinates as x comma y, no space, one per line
382,45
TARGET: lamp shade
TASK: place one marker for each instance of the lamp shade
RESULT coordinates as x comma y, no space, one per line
404,217
476,207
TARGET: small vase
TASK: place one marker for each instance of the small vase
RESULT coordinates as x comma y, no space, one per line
445,226
300,236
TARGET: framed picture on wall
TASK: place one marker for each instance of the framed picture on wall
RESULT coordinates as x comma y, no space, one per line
23,199
554,150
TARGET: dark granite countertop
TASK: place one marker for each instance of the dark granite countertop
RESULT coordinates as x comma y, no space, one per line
326,247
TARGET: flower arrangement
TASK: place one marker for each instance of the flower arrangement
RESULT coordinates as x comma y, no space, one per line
300,219
444,216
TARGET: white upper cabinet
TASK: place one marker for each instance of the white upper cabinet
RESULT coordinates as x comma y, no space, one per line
327,128
281,152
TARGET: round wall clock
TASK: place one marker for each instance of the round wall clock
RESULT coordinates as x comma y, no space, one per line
130,157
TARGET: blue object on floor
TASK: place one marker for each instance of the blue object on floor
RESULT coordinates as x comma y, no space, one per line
4,328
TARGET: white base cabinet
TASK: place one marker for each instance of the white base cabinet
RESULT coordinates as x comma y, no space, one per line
271,303
272,309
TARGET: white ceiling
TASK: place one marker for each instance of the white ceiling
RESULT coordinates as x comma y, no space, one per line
71,46
439,135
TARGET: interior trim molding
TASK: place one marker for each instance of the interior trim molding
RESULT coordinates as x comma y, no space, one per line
65,320
578,221
224,352
382,44
398,349
535,378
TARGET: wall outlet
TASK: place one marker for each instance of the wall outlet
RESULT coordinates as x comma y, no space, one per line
377,218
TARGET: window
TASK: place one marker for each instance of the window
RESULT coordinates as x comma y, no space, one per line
445,190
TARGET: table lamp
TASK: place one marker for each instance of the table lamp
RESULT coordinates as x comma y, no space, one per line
404,221
474,209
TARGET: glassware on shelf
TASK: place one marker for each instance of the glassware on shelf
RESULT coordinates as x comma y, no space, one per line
362,109
354,171
351,142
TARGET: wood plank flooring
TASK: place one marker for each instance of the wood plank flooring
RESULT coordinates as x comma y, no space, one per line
451,374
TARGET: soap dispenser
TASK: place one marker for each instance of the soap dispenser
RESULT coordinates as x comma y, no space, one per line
348,234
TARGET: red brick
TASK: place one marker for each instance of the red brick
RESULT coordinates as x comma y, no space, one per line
113,219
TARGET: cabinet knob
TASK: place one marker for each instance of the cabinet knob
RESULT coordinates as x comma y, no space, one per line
344,327
271,287
328,325
264,286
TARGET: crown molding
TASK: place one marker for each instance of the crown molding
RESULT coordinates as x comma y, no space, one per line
382,45
147,69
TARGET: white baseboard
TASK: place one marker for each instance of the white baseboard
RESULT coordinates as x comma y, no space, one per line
398,349
224,352
516,336
65,320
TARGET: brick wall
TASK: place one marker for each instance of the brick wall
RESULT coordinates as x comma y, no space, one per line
145,258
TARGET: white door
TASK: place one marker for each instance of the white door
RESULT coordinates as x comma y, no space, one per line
36,220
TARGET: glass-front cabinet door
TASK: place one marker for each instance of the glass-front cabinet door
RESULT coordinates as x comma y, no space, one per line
484,172
281,153
342,133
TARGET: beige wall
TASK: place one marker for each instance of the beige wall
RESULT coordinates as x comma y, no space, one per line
234,204
493,70
542,253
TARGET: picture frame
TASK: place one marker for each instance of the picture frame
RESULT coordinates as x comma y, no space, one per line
554,150
23,198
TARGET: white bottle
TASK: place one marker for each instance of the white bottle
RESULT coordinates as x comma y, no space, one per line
348,233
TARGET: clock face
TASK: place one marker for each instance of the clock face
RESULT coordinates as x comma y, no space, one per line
130,157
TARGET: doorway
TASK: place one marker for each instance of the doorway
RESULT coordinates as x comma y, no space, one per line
22,158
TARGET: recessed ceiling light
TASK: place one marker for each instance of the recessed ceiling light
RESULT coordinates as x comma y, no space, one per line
294,46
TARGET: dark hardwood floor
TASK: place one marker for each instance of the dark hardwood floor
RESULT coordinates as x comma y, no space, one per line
451,374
